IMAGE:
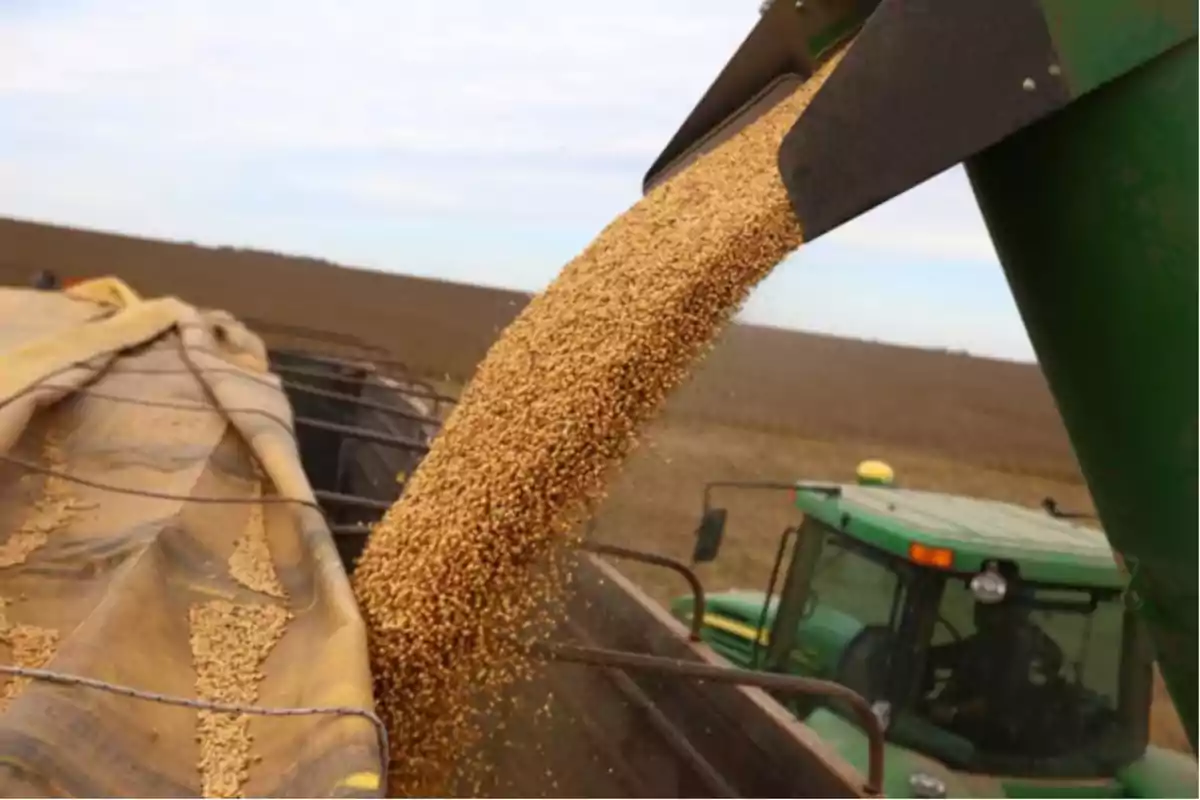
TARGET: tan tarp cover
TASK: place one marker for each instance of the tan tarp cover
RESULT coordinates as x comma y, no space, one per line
113,574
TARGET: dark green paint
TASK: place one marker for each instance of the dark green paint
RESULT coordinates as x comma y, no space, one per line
1094,215
825,40
792,600
820,638
901,762
892,535
1100,40
1160,773
913,744
1042,789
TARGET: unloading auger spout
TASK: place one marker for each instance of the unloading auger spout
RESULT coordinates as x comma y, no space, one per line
1076,122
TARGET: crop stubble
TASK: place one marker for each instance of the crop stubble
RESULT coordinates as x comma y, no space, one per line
447,577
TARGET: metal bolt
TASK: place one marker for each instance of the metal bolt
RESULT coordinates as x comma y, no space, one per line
1028,85
1055,70
923,784
882,710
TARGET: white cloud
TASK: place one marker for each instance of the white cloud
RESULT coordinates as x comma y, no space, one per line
938,220
393,195
260,123
419,75
942,243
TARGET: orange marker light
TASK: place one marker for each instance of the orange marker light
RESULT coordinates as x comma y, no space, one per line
926,556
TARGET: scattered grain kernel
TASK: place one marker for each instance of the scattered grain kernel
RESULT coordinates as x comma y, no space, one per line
250,563
32,647
229,644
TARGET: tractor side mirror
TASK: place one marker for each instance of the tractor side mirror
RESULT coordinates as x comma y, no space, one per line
709,535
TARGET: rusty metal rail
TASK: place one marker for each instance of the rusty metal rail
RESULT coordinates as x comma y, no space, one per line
770,486
368,362
354,501
363,434
315,391
407,388
698,597
786,684
615,551
683,747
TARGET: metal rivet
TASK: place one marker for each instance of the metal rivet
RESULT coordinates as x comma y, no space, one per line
924,785
1028,85
1055,70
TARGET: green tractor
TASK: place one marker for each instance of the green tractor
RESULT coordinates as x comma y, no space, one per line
997,645
1075,121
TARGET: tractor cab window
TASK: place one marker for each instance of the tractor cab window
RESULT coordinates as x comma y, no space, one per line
1028,682
855,582
855,598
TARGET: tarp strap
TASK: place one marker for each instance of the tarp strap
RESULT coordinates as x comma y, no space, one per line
64,679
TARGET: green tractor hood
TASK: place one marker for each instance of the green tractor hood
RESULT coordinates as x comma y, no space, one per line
731,625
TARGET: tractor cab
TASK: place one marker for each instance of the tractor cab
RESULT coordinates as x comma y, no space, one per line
989,638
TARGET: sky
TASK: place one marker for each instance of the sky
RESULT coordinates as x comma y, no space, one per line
470,141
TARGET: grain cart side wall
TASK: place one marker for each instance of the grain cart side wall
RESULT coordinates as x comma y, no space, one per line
628,733
588,731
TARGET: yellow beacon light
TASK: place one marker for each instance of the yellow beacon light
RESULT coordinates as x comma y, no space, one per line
875,473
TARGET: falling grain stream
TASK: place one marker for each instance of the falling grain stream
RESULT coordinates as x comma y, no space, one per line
457,567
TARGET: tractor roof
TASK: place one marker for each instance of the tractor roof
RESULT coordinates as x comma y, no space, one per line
1046,549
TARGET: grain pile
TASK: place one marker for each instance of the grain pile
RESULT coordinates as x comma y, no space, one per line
53,510
31,647
250,564
230,642
556,404
33,533
55,507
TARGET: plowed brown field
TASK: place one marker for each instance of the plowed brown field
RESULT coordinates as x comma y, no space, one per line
767,404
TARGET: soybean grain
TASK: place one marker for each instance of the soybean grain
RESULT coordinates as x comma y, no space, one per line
445,580
229,643
31,646
250,563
